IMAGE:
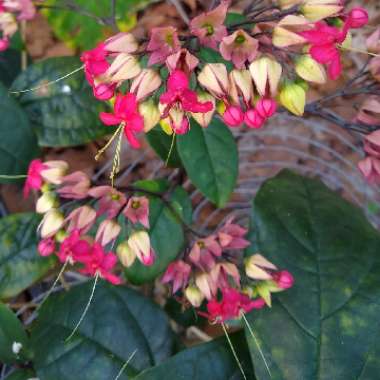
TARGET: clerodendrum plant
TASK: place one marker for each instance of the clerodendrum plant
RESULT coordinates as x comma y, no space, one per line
227,69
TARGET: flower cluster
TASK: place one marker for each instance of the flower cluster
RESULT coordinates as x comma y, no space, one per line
210,271
12,11
270,58
81,234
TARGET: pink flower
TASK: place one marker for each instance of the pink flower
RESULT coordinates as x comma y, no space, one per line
223,273
178,273
4,43
163,42
253,119
73,247
34,179
283,279
110,202
208,26
95,63
82,219
25,8
266,107
231,306
357,18
183,60
104,91
126,112
231,236
74,186
137,210
372,144
204,251
239,47
98,262
46,246
179,96
233,116
370,168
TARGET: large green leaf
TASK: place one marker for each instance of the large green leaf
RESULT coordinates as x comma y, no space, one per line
64,113
81,31
11,333
20,264
210,158
21,374
10,66
213,360
166,231
326,326
18,143
119,321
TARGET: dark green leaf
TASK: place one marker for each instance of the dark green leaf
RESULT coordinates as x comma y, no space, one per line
161,144
20,264
119,321
208,55
213,360
21,374
210,158
166,232
10,66
64,113
327,325
11,333
18,144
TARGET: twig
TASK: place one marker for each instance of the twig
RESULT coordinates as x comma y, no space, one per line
180,11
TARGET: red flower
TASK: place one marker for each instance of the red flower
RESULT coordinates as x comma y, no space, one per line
34,179
95,62
98,262
126,112
73,247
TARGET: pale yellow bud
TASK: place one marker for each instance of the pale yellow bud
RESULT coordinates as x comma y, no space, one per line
310,70
214,78
285,32
285,4
139,242
54,172
241,85
316,10
145,83
45,202
256,265
293,98
126,255
108,231
124,67
151,114
51,223
194,296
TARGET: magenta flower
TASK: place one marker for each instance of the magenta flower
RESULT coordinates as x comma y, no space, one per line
208,26
266,107
46,246
357,18
73,248
110,202
95,63
98,262
179,96
233,116
204,251
253,119
4,43
239,47
231,236
74,186
126,113
178,273
137,210
163,42
34,178
283,279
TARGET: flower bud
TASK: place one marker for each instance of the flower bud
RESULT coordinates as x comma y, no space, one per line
54,171
104,91
266,107
293,98
204,119
151,114
81,219
194,296
241,85
257,267
46,247
139,242
357,18
285,32
233,116
126,255
316,10
124,67
75,186
121,43
266,73
284,4
51,223
4,44
108,231
179,123
283,279
145,83
310,70
45,202
253,120
214,78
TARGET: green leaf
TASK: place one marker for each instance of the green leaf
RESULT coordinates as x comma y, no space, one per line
18,144
21,374
166,232
10,66
327,325
161,144
11,332
83,32
20,264
213,360
209,55
64,113
210,158
118,322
